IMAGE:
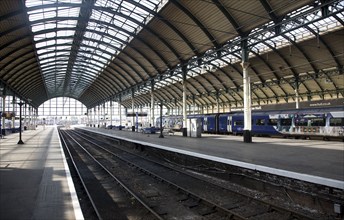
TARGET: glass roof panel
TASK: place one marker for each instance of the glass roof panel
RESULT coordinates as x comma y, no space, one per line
46,20
111,26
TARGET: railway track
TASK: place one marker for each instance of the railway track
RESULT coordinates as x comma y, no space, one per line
165,192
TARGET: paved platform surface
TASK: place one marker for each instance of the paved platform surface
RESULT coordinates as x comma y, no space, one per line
34,182
315,161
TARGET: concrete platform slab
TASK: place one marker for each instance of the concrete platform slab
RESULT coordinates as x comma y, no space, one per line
34,182
316,161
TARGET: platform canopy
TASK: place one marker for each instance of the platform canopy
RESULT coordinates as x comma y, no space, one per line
100,50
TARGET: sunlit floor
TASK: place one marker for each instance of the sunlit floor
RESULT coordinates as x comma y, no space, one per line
33,177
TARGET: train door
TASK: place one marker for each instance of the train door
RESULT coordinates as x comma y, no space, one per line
205,124
229,124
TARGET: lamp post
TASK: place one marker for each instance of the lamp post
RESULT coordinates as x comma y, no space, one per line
20,122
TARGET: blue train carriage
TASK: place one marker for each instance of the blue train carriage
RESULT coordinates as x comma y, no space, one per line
224,123
236,124
210,123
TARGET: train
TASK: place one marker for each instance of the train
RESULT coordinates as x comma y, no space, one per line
299,123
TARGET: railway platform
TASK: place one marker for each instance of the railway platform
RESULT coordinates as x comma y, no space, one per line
315,161
35,182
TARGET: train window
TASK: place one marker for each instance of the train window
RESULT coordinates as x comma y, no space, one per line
272,122
336,121
260,122
286,121
301,122
237,123
317,122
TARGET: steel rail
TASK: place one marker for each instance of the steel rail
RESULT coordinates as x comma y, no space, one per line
122,184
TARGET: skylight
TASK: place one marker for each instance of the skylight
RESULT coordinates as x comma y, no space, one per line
111,26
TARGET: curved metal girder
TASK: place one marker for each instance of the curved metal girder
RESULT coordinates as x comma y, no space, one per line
49,58
92,48
108,9
306,57
328,49
14,75
166,21
150,31
171,87
242,76
90,30
292,69
50,69
229,17
107,71
198,22
271,69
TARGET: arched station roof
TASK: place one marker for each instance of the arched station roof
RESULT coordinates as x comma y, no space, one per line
101,50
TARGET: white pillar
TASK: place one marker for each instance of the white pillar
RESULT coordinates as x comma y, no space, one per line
111,113
104,115
247,101
184,106
29,121
25,115
94,116
297,98
98,116
14,111
34,115
132,107
120,113
3,110
152,106
88,117
218,103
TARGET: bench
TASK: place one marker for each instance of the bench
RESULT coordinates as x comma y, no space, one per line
168,131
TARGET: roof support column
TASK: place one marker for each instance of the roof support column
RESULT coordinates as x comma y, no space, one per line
94,116
88,117
152,105
25,115
194,104
99,116
184,129
161,128
247,93
14,111
29,126
111,112
132,107
297,98
218,101
120,112
35,118
3,110
104,115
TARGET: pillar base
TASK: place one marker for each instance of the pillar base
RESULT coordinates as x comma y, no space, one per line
247,136
20,142
184,130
